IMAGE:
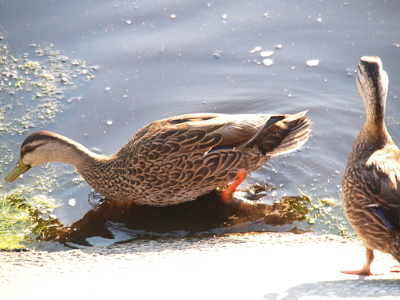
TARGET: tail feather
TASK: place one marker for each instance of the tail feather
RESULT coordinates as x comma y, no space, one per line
297,136
283,136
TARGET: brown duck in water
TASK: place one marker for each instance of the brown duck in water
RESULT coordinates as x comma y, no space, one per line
173,160
371,182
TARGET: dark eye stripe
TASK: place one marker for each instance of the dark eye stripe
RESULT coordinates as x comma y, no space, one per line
28,149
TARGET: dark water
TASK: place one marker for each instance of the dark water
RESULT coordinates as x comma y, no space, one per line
152,66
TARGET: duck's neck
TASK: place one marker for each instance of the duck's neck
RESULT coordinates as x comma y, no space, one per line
375,122
373,134
75,154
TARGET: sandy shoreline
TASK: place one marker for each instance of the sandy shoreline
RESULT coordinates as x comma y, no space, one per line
248,266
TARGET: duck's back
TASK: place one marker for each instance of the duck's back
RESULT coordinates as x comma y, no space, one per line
371,192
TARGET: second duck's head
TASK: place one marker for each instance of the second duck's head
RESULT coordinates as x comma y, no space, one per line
372,82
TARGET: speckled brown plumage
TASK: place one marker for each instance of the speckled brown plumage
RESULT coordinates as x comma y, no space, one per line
371,182
177,159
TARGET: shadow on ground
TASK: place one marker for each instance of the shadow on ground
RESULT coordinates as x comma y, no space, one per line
365,288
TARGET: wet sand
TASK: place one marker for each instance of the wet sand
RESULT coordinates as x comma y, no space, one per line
249,266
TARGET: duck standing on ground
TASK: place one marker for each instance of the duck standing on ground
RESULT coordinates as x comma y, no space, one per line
174,160
371,182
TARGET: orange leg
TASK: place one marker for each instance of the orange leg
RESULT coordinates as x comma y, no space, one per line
365,270
227,194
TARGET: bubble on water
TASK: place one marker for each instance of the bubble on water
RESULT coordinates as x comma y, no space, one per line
173,16
319,20
109,122
217,53
72,202
63,58
279,46
129,22
224,17
266,53
312,62
268,62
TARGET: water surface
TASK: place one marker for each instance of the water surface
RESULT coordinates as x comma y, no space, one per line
159,59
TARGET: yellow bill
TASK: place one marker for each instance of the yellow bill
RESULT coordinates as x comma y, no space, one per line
18,170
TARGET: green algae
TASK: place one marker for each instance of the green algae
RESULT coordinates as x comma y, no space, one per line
328,213
23,220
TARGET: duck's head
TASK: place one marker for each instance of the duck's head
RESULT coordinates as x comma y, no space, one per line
38,148
32,153
372,82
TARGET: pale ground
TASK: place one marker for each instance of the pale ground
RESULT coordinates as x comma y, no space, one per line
250,266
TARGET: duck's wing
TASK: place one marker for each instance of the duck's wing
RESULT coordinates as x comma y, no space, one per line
219,131
211,132
204,133
381,178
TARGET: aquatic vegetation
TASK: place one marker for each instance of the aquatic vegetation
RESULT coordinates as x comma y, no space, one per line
22,221
34,86
328,213
287,210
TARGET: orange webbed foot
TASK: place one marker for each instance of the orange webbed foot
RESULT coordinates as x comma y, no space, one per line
365,270
227,194
358,272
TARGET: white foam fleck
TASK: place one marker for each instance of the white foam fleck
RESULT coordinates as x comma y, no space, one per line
268,62
312,62
266,53
71,202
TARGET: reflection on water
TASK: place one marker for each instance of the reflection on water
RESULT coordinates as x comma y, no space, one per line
110,221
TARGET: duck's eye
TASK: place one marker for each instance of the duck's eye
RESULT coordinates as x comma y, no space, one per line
28,148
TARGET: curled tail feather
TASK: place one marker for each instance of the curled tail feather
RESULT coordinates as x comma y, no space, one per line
284,136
